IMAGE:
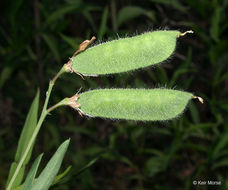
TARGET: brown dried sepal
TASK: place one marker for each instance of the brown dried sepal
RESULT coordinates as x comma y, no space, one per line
81,47
68,66
72,102
84,45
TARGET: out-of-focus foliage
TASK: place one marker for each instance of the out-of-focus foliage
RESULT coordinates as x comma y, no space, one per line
132,155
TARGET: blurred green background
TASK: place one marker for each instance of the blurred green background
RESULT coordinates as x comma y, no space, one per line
38,37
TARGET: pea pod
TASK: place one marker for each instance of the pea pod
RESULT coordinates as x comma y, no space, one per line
132,104
126,54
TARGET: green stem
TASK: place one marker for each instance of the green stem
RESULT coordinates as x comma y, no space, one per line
38,126
62,70
61,103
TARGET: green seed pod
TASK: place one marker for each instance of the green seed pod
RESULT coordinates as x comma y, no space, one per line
132,104
126,54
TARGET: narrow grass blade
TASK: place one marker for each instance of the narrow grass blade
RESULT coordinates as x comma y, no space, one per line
59,177
86,166
32,173
26,134
52,44
47,176
19,177
129,12
103,26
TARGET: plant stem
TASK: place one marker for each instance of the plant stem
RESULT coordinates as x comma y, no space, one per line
61,103
62,70
38,126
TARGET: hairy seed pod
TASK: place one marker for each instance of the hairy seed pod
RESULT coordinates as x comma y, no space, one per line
132,104
126,54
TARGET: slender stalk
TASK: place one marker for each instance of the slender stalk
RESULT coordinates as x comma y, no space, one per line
62,70
61,103
38,126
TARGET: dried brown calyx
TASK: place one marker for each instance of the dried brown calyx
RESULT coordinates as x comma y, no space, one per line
81,48
84,45
72,102
68,66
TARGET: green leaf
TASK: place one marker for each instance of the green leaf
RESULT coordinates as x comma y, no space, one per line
222,163
14,8
215,24
174,3
19,177
51,42
62,175
86,166
5,75
130,12
194,113
155,164
29,126
223,141
71,41
28,129
86,13
182,69
61,12
47,176
32,173
103,25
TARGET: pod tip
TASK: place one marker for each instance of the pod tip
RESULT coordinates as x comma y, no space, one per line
187,32
199,98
